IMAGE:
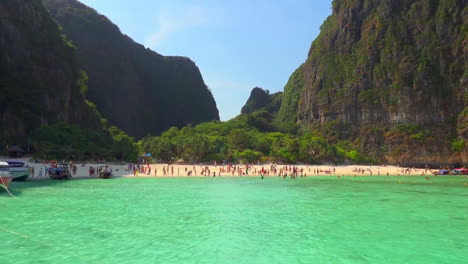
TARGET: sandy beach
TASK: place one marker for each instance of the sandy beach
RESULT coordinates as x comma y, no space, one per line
176,170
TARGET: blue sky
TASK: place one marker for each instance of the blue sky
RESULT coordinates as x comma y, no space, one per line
237,45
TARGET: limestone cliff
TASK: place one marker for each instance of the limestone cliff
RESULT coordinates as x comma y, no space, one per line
135,88
40,79
389,75
262,99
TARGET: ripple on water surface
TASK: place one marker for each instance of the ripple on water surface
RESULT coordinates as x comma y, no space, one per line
237,220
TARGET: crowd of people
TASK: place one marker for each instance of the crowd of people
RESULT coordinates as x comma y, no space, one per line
229,169
53,164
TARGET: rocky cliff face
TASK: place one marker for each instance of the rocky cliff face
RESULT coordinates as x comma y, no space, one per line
134,88
389,75
40,80
262,99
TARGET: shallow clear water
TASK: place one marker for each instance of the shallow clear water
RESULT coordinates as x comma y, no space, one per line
237,220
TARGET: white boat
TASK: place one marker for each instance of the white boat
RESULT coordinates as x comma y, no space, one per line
5,175
8,174
18,170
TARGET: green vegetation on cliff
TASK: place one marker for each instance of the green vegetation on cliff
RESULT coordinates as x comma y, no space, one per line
262,100
41,81
134,88
43,91
379,64
291,98
385,80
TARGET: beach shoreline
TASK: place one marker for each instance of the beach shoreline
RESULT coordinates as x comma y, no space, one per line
268,170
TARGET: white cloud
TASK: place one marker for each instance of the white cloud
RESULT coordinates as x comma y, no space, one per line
170,22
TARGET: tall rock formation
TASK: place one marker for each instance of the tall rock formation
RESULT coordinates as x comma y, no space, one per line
389,75
136,89
40,79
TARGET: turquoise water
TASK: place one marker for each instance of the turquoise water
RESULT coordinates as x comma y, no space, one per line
237,220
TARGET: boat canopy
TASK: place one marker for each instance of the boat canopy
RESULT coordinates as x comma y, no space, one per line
15,163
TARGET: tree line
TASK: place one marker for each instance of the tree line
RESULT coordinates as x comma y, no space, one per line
248,138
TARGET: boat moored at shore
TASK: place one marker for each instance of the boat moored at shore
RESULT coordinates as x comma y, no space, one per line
7,175
105,172
59,173
18,169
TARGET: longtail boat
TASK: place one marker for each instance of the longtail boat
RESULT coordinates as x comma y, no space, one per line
59,173
105,172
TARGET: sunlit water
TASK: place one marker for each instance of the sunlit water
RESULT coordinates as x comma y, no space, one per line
237,220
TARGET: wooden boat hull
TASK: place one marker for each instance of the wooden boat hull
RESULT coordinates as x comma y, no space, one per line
60,177
59,174
105,172
105,176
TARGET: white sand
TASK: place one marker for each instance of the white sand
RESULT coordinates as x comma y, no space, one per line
179,170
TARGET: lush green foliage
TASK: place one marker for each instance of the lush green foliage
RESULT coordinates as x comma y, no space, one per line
242,140
458,145
291,98
62,141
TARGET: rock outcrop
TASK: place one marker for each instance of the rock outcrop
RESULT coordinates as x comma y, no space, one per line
137,89
389,75
262,99
41,82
